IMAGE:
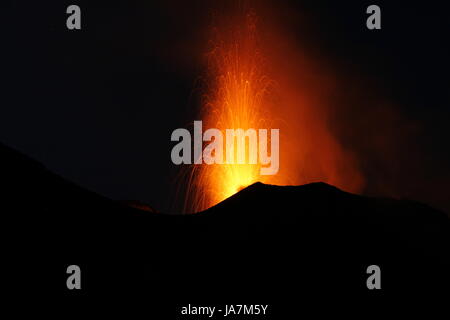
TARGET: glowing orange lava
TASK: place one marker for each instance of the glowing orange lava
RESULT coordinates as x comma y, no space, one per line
240,94
237,99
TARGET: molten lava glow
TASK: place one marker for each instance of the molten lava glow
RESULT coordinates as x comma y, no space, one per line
240,94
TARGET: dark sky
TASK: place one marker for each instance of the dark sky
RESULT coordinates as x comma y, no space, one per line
98,105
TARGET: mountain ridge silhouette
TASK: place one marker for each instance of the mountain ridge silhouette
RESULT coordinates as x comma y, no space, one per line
254,244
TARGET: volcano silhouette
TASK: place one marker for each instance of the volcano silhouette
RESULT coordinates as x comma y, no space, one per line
261,243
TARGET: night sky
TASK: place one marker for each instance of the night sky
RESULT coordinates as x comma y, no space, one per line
98,105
